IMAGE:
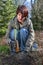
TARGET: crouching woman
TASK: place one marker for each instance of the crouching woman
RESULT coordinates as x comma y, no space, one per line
20,29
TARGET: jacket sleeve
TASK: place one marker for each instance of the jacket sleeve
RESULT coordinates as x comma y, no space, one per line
31,36
8,31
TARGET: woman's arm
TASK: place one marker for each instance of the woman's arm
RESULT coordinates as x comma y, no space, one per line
8,31
31,36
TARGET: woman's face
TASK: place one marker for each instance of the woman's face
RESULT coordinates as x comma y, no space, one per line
19,18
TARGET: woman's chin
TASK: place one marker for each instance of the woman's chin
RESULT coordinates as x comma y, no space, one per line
20,21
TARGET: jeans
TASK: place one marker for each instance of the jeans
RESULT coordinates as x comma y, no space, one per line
21,35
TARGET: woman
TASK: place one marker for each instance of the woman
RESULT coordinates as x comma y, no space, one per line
20,28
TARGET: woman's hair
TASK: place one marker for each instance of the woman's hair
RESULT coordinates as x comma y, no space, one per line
23,10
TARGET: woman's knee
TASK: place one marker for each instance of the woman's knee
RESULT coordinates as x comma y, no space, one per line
23,31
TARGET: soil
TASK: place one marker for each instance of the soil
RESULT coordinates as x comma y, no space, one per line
32,58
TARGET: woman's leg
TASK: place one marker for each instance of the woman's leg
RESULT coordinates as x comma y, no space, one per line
13,36
23,38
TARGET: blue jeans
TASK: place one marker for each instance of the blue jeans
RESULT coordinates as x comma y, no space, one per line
21,35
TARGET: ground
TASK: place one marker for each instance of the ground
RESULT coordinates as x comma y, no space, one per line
32,58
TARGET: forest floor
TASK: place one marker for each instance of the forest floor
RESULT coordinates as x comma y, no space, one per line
33,58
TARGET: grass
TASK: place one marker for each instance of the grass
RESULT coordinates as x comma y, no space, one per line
4,49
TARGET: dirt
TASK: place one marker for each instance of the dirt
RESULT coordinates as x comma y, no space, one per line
39,38
33,58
